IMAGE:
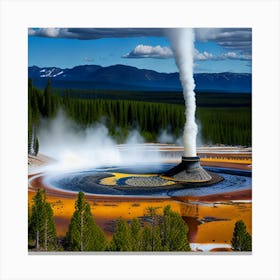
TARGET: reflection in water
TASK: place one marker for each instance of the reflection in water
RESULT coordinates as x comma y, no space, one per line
193,224
208,222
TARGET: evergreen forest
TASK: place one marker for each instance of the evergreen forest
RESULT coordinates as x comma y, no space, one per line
222,118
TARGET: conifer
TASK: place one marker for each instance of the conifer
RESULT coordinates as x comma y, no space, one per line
241,239
83,233
121,240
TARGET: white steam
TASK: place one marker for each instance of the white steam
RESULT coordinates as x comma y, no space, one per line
182,41
134,137
75,148
165,137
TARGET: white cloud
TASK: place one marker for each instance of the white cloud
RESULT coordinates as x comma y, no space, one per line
235,56
45,32
238,39
32,32
206,34
96,33
88,59
145,51
202,56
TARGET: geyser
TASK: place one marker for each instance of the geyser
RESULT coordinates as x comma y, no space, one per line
189,170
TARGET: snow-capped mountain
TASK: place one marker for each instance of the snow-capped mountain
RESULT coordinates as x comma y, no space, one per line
50,72
122,77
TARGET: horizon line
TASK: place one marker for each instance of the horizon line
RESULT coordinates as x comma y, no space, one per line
118,64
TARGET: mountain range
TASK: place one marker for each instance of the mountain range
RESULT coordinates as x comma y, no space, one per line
123,77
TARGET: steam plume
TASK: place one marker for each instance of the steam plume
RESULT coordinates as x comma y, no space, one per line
182,42
76,148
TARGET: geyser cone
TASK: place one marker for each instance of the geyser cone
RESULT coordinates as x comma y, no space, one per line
189,171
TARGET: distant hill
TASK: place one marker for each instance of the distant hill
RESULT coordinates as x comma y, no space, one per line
122,77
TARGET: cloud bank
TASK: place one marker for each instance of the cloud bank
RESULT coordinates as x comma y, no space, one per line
146,51
95,33
228,38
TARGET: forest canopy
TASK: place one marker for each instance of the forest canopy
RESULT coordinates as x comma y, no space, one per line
222,120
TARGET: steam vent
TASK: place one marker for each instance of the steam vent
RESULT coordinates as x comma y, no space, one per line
189,171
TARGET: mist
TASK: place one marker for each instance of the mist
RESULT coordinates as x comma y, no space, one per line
182,43
166,137
73,147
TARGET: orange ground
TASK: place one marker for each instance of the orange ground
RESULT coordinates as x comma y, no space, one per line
106,210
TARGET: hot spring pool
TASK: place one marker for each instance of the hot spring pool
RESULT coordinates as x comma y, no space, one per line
90,181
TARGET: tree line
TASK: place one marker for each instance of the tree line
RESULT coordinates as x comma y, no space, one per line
230,126
226,126
203,99
165,232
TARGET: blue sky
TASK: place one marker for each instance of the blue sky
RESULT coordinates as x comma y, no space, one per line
216,50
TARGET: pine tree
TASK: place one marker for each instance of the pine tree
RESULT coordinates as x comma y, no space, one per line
30,237
146,236
49,234
37,219
121,240
29,215
135,232
36,146
47,93
241,239
151,234
174,231
83,233
156,239
150,239
42,228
